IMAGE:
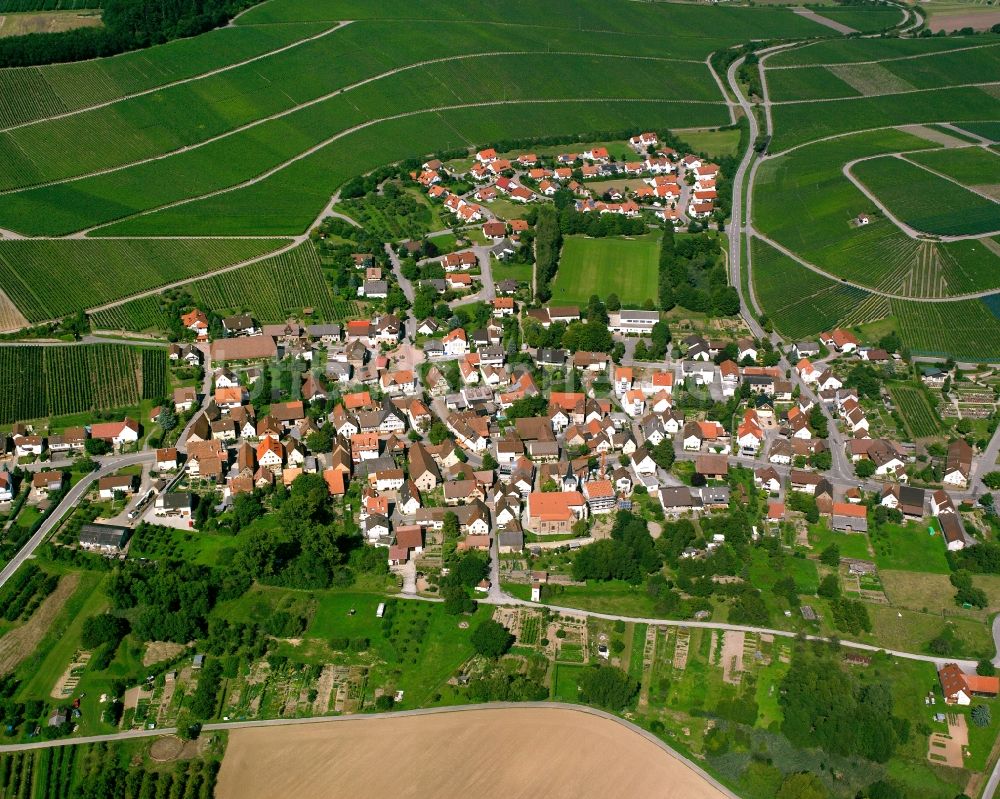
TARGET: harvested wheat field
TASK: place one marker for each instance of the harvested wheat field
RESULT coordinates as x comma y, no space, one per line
499,753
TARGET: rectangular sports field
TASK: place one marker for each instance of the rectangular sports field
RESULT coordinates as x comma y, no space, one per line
626,267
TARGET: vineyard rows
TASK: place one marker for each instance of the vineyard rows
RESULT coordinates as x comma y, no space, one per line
799,302
30,93
966,330
51,279
49,381
39,774
272,289
916,411
12,6
139,315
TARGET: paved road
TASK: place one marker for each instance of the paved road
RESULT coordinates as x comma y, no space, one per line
111,465
88,339
206,396
711,625
734,229
992,782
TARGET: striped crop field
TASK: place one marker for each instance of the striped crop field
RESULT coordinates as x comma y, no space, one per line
51,279
32,93
967,329
37,382
272,289
799,302
927,202
141,315
919,417
971,166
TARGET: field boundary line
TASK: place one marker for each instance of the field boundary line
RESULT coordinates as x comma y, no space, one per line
898,126
291,245
886,60
949,178
882,293
369,717
362,126
910,231
890,94
324,98
180,82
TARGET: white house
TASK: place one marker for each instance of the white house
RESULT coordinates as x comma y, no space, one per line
456,343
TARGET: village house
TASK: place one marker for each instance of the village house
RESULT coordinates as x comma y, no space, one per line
554,513
958,464
45,483
849,518
960,688
118,434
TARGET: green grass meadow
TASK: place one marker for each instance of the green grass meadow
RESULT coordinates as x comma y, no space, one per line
626,267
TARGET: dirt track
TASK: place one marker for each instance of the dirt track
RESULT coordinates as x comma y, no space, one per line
487,754
16,645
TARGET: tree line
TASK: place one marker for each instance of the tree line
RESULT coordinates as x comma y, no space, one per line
128,25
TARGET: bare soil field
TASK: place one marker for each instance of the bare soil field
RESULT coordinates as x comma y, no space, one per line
979,20
10,318
48,22
551,752
20,642
930,134
161,650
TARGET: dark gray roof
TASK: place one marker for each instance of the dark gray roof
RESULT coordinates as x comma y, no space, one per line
104,535
324,330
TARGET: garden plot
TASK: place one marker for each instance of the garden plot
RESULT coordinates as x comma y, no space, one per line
947,749
732,656
70,679
681,646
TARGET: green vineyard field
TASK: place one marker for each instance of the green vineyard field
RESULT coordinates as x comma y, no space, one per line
37,382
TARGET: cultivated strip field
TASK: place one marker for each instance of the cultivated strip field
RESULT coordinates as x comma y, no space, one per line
898,206
454,75
50,279
558,753
272,289
925,201
802,303
36,382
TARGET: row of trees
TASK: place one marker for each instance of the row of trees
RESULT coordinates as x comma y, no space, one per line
548,241
128,25
692,276
829,708
629,554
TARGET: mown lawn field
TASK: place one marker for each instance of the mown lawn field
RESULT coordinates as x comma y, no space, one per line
925,201
910,547
714,143
626,267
